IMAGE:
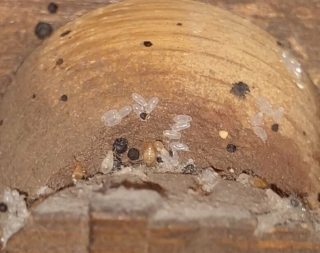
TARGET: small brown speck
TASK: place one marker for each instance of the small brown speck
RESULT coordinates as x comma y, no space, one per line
59,61
65,33
1,122
52,8
64,98
147,43
179,24
275,127
34,96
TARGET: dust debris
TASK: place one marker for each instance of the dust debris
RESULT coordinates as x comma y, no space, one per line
207,180
16,215
223,134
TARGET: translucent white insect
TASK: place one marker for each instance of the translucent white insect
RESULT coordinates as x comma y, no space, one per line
151,104
139,99
277,114
292,65
167,159
124,111
107,163
179,146
171,134
264,105
260,132
180,126
182,118
257,119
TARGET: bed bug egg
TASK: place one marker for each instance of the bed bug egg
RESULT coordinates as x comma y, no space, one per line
107,163
257,119
158,145
182,118
292,65
172,134
124,111
277,114
151,105
179,146
139,99
137,109
111,118
149,154
180,126
264,105
260,132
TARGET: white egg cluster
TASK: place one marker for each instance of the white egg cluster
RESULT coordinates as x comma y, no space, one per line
265,108
16,216
292,65
181,122
142,109
114,117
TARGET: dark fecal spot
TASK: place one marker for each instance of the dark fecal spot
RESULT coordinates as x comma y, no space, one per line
147,43
34,96
159,159
189,169
304,133
59,61
170,153
64,98
3,207
1,122
43,30
179,24
294,202
52,8
240,89
231,148
143,115
120,145
318,197
279,43
133,154
275,127
65,33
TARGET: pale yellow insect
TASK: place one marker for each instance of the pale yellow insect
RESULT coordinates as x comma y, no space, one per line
78,171
149,153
